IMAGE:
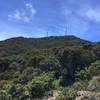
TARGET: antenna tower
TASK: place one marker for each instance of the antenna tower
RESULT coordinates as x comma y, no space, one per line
47,34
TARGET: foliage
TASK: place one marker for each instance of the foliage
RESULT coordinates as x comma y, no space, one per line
40,84
67,94
33,68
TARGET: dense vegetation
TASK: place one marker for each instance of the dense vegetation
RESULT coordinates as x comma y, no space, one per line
32,69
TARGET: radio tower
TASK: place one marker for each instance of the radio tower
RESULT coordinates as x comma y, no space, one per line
67,29
47,34
47,46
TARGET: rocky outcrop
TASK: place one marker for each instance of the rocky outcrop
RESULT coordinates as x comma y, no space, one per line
55,95
82,94
93,90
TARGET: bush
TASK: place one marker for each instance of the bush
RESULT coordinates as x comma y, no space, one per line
50,64
95,68
18,92
40,85
67,94
84,74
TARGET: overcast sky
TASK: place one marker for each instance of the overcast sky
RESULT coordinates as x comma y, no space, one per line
34,18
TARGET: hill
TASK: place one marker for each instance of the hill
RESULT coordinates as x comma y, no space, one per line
38,68
46,42
20,43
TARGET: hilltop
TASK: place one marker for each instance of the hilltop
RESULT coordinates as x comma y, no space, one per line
18,44
52,41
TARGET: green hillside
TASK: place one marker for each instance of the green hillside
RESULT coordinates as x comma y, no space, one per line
32,69
16,45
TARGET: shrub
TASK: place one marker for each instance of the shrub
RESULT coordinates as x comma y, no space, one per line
67,94
40,85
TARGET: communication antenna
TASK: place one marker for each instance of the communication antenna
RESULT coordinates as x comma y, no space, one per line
67,29
47,46
47,34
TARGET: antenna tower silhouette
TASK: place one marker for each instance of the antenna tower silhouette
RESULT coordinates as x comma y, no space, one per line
47,34
67,29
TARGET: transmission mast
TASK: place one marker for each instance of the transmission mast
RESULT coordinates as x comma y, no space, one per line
47,46
47,34
67,29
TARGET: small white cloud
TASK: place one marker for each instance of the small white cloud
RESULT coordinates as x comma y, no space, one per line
25,14
31,8
16,15
93,14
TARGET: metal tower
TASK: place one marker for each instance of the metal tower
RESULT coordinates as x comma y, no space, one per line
67,29
47,34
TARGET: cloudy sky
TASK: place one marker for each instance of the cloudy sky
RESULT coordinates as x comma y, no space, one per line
34,18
